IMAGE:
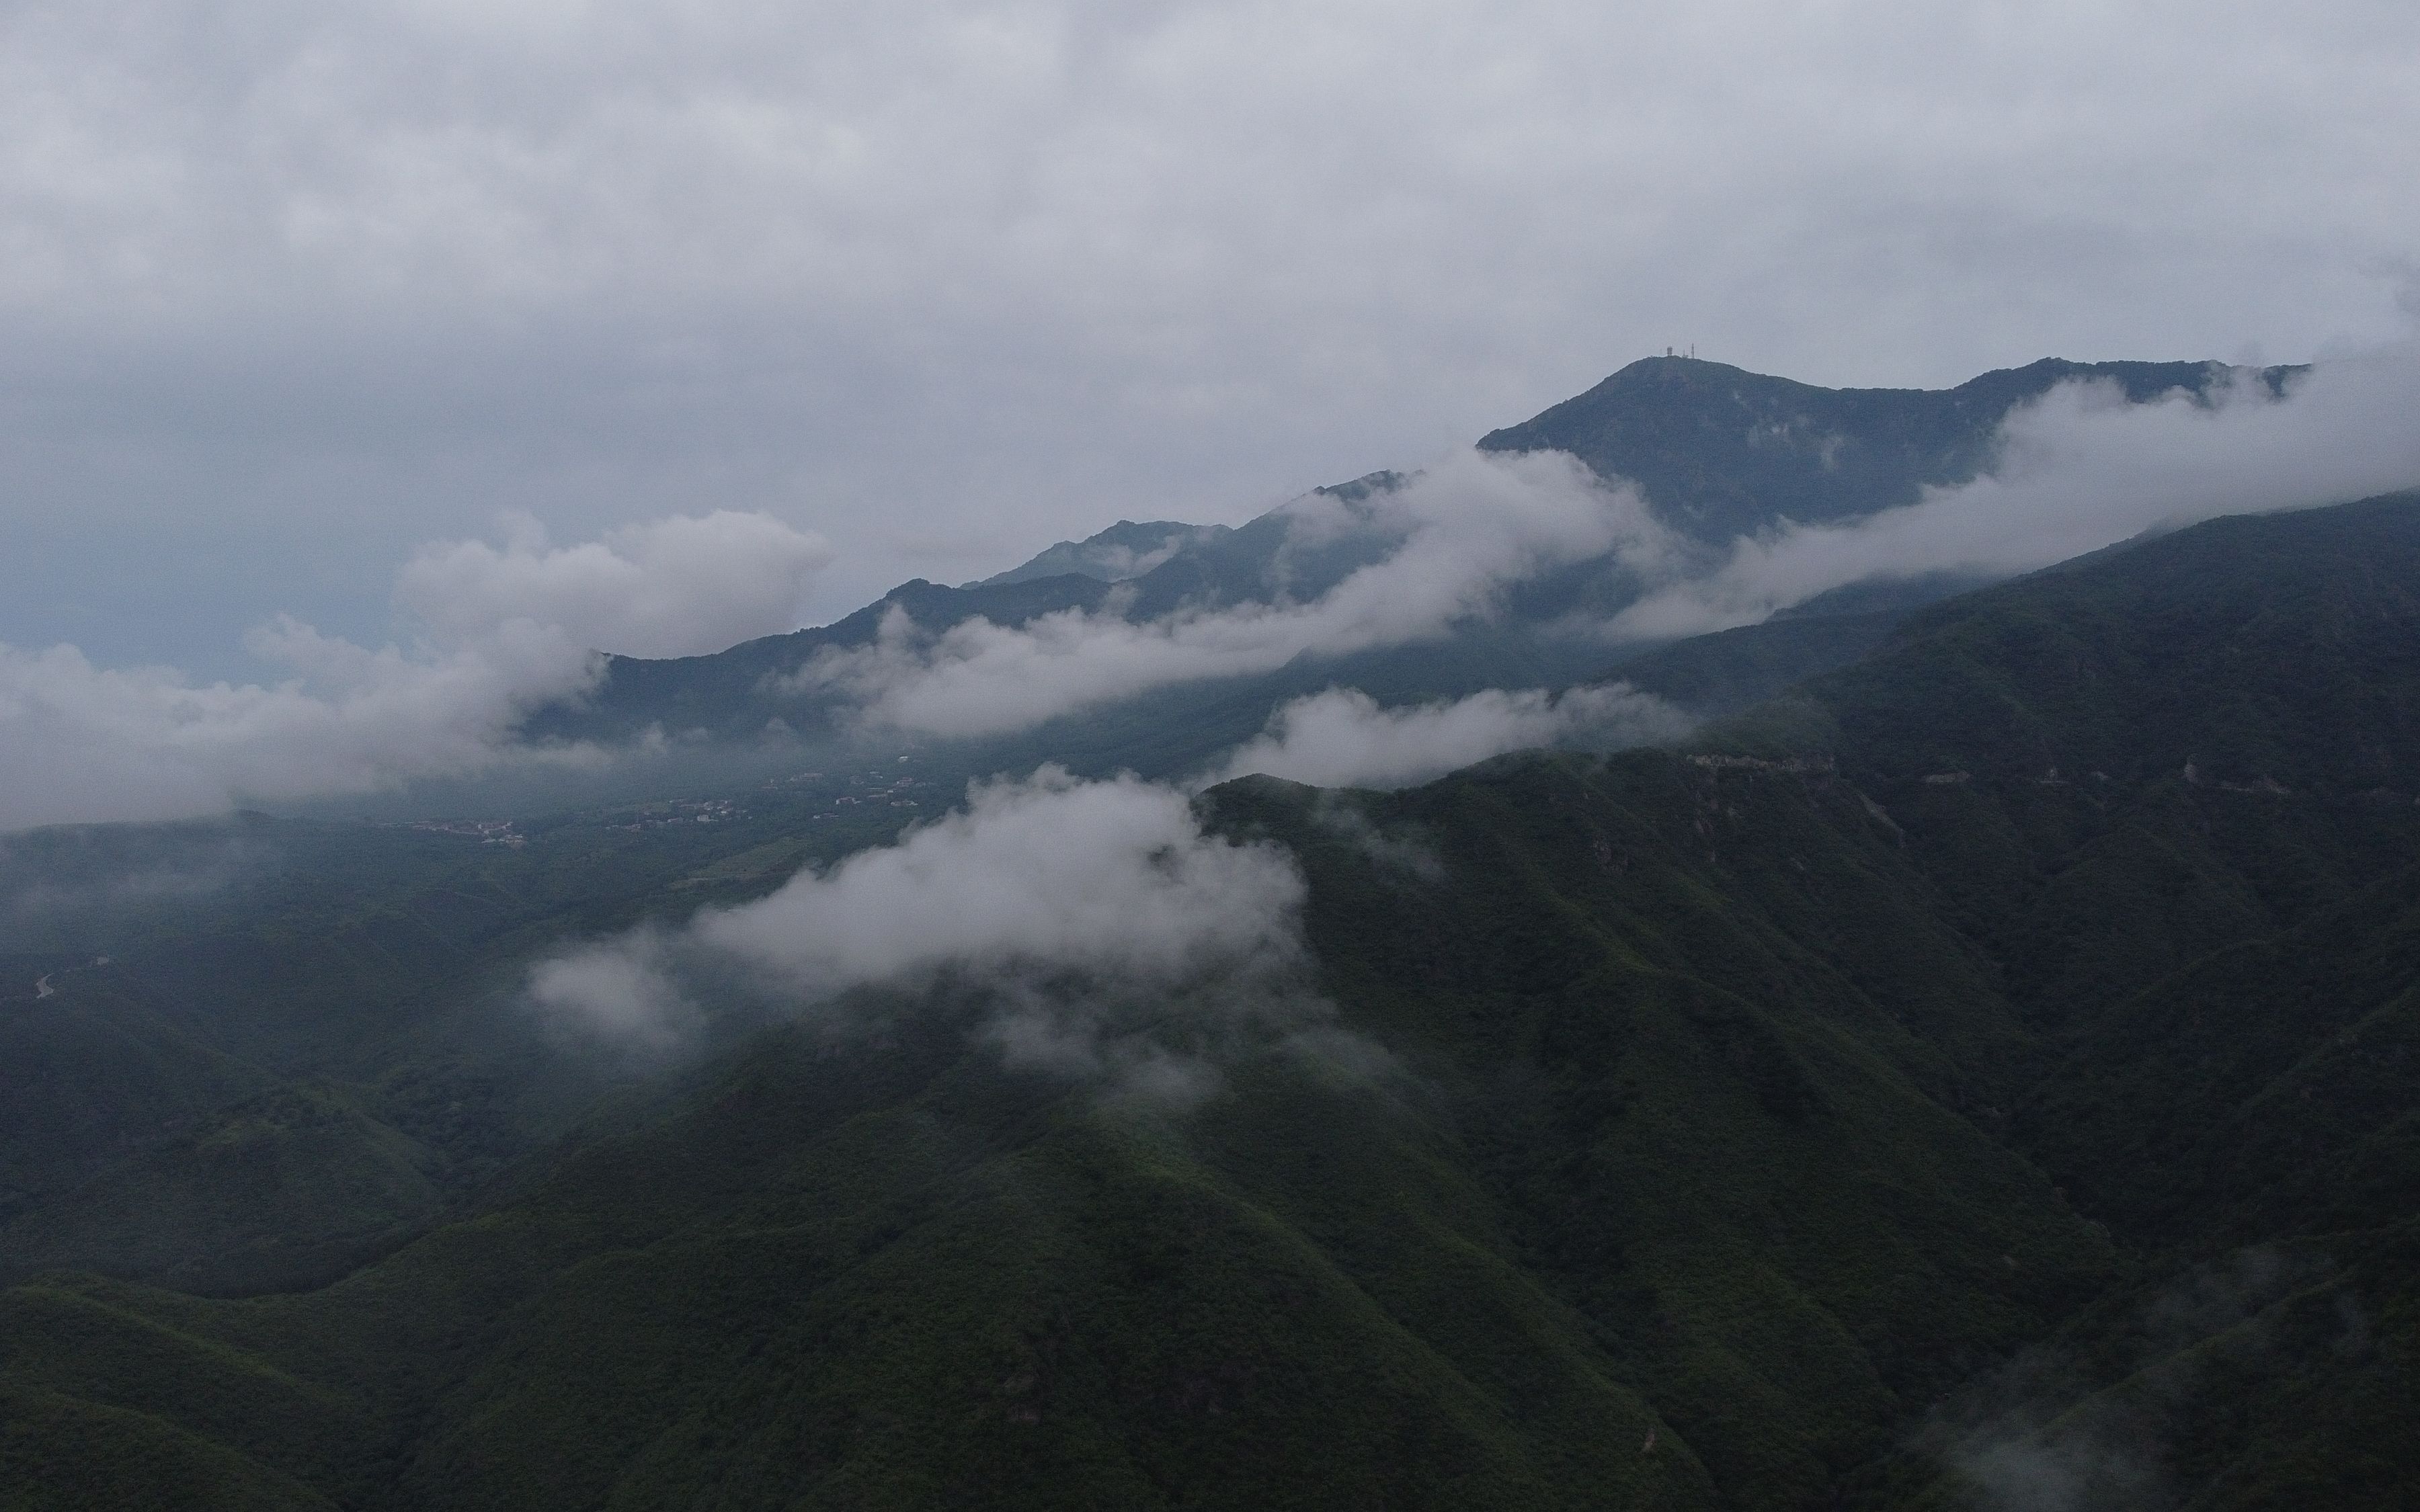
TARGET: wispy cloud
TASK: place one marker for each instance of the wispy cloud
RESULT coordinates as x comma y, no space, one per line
2078,469
1455,536
507,630
1343,738
1103,931
2081,468
682,586
2061,1428
626,993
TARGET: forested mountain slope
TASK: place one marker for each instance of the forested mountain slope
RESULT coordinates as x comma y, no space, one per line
1985,1072
1719,453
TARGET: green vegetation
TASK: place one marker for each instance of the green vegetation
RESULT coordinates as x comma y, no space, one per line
1984,1073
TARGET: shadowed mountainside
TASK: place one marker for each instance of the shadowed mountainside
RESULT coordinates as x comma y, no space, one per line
1722,453
1985,1069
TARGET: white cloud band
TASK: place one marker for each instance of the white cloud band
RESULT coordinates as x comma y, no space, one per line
510,630
1342,738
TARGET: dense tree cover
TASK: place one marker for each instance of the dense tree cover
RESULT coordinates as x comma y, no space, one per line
1982,1077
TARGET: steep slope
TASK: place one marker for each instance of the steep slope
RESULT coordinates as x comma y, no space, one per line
739,692
1720,453
1701,1128
2171,788
256,1051
1723,452
1725,1073
1732,671
1661,1204
290,1187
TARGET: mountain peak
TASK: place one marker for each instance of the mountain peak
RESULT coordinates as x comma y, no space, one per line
1723,452
1127,549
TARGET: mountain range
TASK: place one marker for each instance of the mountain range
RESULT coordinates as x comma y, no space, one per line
1718,453
1972,1068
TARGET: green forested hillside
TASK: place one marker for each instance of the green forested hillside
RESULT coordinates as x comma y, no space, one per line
1983,1077
1614,1191
248,1055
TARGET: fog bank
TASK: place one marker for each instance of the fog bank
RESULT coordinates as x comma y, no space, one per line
502,631
1101,932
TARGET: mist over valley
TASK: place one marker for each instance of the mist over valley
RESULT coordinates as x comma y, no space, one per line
1442,993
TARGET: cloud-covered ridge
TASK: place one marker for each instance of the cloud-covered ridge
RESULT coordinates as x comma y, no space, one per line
2081,468
504,629
1459,534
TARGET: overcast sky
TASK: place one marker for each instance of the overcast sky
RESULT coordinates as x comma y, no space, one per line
288,289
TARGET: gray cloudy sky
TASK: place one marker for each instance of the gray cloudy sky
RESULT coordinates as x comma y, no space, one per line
288,289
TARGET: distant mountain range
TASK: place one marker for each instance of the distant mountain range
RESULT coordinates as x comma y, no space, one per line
1976,1068
1719,453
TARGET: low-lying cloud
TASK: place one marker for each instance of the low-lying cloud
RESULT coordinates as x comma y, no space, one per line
2082,468
625,994
507,632
84,743
1111,877
1104,934
683,586
2057,1429
2079,469
1459,534
80,893
1343,738
503,630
